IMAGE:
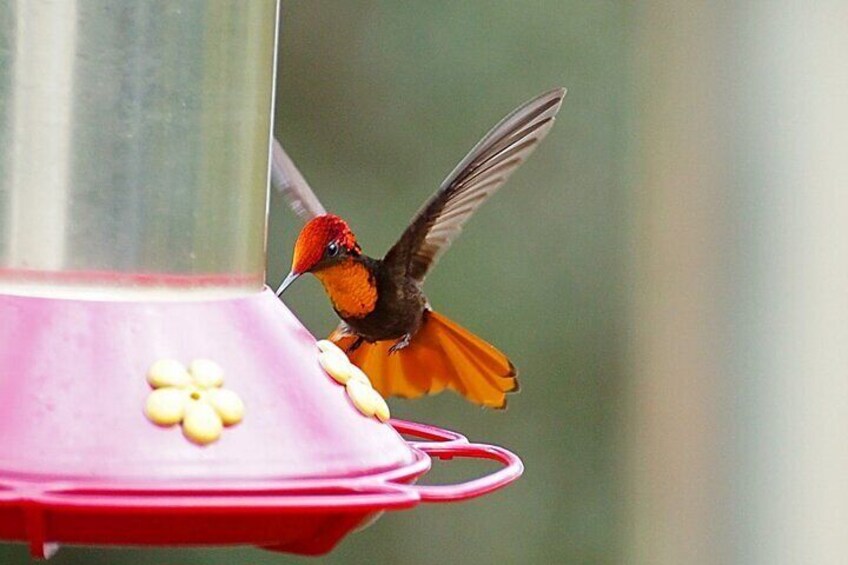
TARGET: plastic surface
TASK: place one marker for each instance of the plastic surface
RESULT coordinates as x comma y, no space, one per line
80,462
134,139
73,391
446,444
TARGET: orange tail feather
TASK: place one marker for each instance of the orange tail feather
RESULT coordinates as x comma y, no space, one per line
441,355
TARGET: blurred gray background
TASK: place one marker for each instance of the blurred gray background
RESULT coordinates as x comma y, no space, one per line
377,101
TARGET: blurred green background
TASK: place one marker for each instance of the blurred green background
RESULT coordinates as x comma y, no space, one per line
377,101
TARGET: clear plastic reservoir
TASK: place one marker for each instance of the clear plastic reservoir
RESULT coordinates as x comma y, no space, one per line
134,145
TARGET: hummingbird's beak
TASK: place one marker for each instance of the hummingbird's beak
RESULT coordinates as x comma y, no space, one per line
288,280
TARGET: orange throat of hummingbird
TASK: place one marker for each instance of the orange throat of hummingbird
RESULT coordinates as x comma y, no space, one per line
351,288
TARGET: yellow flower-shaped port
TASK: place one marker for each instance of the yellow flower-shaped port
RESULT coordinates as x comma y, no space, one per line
192,397
367,400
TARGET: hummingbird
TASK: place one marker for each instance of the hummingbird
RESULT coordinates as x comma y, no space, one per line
388,328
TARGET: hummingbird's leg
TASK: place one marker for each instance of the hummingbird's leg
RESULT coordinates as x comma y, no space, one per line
355,345
400,344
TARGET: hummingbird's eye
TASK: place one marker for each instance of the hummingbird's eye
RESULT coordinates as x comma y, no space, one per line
332,249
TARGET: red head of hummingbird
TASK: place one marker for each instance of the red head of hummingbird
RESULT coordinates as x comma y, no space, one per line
323,242
388,328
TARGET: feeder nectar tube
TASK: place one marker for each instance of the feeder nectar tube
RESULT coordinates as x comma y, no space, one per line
134,158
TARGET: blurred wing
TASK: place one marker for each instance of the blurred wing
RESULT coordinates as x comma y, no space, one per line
287,179
483,171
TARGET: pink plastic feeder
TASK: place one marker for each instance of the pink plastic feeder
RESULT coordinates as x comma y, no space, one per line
134,221
84,465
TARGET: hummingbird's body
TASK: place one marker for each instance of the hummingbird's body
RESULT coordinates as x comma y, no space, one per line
388,328
373,304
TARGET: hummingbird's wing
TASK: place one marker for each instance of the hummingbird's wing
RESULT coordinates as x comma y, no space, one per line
287,179
488,166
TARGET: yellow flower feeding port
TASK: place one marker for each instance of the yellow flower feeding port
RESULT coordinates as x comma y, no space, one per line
192,397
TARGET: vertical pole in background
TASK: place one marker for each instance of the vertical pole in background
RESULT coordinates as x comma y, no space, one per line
738,421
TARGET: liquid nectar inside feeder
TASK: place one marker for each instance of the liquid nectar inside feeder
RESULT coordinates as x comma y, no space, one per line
152,390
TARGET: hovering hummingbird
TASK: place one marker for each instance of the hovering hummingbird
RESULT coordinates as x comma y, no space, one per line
388,328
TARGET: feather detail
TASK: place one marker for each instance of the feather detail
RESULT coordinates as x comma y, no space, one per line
483,171
442,355
351,288
286,178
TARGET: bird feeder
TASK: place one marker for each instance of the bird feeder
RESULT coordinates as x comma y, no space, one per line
153,391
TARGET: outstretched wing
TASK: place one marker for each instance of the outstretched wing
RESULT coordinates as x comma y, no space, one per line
483,171
287,179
